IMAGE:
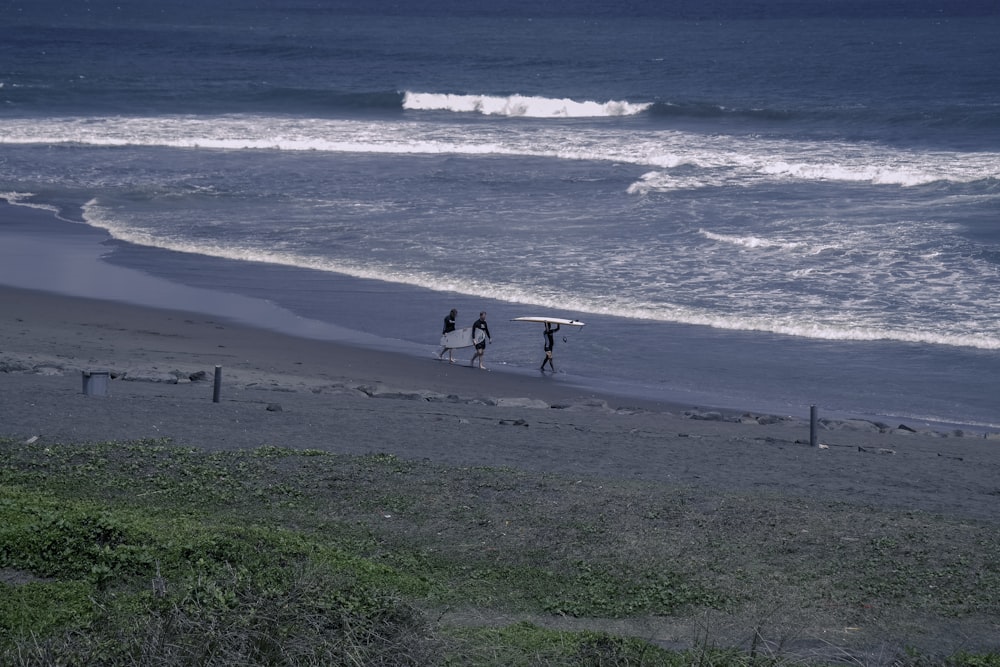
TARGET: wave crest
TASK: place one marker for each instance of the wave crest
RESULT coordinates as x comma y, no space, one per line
751,241
520,106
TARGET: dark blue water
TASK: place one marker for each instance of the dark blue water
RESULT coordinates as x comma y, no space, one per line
761,204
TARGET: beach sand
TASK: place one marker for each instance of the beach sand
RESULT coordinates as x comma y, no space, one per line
302,393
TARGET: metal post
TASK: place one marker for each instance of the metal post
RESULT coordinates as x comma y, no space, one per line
218,384
812,427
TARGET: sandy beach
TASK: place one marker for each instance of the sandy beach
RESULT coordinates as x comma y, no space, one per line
301,389
301,393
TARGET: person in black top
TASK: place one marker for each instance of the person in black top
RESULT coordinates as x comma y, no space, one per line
481,345
549,344
449,326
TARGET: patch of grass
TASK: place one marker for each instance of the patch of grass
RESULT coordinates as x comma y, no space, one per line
171,555
41,607
69,541
75,540
292,614
526,645
602,592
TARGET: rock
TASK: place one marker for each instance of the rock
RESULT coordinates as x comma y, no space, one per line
876,450
434,397
767,420
710,416
274,407
583,404
522,403
853,425
149,376
401,395
13,366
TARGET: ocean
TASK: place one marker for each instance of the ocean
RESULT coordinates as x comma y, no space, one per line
752,204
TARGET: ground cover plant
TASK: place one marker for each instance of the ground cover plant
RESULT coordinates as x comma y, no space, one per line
148,553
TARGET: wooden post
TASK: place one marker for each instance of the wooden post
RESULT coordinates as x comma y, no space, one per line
812,427
218,384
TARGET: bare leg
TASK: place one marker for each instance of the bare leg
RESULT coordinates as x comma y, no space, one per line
548,360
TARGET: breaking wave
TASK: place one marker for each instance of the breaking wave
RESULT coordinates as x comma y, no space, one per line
520,106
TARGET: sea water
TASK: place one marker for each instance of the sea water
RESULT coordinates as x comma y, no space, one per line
751,204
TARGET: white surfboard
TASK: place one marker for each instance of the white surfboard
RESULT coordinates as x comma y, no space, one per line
550,320
462,338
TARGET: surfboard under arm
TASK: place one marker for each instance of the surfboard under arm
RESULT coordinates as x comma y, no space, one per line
462,338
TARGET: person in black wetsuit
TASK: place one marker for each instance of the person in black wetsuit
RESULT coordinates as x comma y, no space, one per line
549,344
449,326
480,346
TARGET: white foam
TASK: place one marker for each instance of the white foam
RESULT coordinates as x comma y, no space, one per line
787,326
520,106
683,160
897,296
812,318
23,199
661,181
861,173
751,241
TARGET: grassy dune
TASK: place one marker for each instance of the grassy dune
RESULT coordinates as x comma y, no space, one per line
127,553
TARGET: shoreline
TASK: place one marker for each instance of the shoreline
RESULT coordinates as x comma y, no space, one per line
128,339
68,270
76,261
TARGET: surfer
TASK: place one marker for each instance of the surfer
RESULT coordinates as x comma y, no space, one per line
478,325
549,344
449,326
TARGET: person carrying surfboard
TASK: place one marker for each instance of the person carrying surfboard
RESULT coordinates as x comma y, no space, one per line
480,325
449,326
549,345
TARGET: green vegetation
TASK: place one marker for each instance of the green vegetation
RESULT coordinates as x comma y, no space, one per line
146,553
